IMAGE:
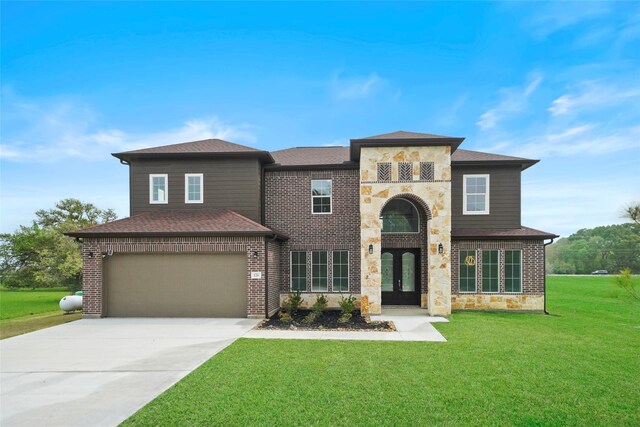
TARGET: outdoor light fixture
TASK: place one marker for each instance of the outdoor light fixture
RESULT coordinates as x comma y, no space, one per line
440,248
255,254
370,249
90,254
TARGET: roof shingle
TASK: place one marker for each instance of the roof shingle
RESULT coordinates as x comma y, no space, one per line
498,233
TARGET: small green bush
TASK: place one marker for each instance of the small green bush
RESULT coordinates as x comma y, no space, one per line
320,305
285,317
625,282
344,317
293,303
311,317
348,305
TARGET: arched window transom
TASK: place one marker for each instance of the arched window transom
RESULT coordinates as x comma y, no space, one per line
400,216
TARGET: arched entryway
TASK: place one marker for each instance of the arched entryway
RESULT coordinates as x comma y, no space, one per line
404,260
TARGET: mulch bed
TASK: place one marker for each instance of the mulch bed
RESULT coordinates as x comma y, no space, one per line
328,322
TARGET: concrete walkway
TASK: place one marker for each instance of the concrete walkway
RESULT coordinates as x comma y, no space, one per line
415,327
99,372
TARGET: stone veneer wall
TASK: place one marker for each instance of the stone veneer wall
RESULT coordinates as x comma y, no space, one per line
92,266
532,295
435,195
288,210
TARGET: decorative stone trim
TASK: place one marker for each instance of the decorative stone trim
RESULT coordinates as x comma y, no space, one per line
384,172
426,171
497,302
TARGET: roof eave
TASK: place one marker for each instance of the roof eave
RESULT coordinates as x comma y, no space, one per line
524,163
105,234
331,166
265,156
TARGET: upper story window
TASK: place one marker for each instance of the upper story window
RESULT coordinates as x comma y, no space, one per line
193,188
321,196
158,188
400,216
476,195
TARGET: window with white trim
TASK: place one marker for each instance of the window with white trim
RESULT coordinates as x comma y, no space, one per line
340,271
319,276
193,188
513,271
321,196
298,271
476,195
490,268
158,188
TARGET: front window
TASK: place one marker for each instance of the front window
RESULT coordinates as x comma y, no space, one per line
319,271
321,196
193,188
340,271
400,216
158,188
298,271
490,271
467,271
513,271
476,194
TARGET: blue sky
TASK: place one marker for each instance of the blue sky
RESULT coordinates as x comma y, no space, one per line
558,82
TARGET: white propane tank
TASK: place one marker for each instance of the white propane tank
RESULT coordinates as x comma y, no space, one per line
71,303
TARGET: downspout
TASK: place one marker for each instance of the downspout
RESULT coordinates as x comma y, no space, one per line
266,274
544,261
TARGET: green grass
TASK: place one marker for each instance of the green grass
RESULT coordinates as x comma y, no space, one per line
579,366
27,302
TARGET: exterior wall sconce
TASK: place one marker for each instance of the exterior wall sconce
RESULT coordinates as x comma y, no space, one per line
90,254
440,248
254,254
370,249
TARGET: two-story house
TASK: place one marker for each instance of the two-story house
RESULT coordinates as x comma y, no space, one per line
219,229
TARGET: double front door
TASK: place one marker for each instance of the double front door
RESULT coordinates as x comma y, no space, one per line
400,276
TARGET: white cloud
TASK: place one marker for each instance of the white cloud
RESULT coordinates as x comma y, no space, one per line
51,130
513,100
556,16
593,95
354,88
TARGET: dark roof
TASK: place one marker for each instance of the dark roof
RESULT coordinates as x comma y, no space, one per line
402,138
310,156
498,233
339,156
401,134
208,147
180,223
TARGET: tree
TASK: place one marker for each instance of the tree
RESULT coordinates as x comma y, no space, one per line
41,255
632,212
72,214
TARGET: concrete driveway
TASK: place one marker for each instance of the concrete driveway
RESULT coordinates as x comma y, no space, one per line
99,372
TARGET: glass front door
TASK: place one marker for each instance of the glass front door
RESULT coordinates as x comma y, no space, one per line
400,276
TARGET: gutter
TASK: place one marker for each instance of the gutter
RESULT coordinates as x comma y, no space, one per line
544,262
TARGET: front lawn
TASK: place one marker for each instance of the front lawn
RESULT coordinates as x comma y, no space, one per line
579,366
27,310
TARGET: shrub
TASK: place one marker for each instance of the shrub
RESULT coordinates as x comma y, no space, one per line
348,305
292,304
320,305
344,317
285,317
311,317
625,282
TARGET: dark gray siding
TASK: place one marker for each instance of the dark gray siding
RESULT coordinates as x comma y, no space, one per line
228,184
504,194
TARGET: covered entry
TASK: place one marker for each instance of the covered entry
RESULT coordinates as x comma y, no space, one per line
175,285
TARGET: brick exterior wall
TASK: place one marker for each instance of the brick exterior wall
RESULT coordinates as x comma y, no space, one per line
92,268
274,273
532,295
288,210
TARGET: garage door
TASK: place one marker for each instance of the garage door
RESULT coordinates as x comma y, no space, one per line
175,285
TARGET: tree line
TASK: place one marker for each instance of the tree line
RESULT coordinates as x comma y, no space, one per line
40,255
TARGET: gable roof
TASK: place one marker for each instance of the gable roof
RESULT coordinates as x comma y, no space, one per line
400,138
338,157
204,147
181,223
